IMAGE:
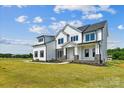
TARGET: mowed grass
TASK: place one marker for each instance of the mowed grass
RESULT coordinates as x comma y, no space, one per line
17,73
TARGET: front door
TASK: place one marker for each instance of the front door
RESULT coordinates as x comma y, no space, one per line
70,53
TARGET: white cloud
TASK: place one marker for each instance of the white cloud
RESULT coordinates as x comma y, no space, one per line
37,19
92,16
75,23
7,41
53,18
38,29
121,27
22,19
88,11
83,8
56,26
107,9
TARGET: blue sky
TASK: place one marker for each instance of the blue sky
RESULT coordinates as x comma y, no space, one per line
20,25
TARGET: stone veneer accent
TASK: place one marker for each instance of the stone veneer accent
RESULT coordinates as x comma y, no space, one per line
97,59
76,57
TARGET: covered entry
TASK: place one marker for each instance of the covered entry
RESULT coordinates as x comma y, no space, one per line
70,53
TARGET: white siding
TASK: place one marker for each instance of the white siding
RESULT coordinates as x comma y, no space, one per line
39,48
104,44
81,52
51,51
73,32
48,38
61,35
99,35
84,37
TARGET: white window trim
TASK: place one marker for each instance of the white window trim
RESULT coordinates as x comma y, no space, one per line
90,37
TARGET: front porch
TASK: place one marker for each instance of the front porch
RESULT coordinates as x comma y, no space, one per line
84,53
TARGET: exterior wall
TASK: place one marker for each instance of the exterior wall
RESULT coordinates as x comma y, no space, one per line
39,48
84,37
81,51
51,55
99,35
73,32
61,35
48,38
104,44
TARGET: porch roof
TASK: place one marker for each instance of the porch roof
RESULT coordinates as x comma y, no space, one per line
68,44
88,43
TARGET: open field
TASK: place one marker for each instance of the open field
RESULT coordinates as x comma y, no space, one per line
17,73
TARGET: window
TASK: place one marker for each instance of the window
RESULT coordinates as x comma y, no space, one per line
59,53
87,37
90,37
35,53
71,38
60,41
86,52
74,38
93,52
40,40
41,53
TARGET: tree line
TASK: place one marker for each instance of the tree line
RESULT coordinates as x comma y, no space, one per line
117,53
16,55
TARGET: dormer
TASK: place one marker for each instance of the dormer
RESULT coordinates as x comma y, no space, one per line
44,39
40,39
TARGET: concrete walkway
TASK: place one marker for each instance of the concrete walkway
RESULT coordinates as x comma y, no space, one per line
29,61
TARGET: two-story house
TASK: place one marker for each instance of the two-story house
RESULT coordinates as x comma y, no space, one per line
86,44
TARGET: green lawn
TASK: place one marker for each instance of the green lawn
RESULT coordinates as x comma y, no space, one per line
17,73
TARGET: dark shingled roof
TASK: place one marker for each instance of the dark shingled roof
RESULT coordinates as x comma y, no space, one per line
46,35
82,28
88,28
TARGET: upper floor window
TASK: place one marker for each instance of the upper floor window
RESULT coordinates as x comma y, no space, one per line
90,37
40,40
60,41
74,38
87,37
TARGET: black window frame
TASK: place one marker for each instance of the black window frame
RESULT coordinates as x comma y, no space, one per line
35,53
61,41
40,39
74,38
41,53
91,38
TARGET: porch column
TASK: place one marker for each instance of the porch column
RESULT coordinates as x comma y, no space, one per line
76,56
97,54
97,49
64,53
